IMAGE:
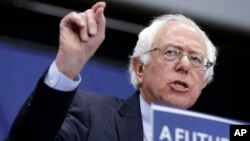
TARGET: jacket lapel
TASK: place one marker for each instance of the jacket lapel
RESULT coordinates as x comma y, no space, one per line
129,121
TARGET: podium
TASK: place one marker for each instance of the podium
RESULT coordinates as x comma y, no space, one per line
172,124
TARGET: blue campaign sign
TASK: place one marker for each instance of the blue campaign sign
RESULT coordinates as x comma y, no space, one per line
171,124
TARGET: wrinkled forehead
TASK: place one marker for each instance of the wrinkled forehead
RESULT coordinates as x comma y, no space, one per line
174,30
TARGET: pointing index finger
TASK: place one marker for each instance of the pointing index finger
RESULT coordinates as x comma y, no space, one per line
96,6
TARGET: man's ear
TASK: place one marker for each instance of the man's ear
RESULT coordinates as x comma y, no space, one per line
138,68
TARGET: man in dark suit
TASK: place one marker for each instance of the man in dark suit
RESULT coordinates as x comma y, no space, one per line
172,62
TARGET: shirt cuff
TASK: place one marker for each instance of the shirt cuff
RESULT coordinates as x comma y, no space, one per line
56,80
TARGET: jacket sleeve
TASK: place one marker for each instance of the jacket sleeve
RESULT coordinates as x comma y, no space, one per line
42,115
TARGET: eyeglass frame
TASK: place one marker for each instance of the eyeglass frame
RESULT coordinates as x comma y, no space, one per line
181,55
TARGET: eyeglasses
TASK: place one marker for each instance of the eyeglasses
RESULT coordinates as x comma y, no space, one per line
170,53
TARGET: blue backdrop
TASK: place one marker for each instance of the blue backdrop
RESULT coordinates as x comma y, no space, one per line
21,65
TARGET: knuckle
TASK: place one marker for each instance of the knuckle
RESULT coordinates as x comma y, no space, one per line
83,14
90,12
73,13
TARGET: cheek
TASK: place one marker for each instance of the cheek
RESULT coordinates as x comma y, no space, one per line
198,86
201,81
156,76
160,82
159,75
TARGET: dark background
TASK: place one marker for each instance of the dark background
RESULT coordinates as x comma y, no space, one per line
226,96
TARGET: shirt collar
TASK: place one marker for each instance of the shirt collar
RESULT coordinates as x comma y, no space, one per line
145,113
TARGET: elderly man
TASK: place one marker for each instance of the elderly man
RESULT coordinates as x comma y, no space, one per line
172,62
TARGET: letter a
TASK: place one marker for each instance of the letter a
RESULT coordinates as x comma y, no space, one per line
165,134
237,132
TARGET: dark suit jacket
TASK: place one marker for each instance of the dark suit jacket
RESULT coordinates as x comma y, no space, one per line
49,114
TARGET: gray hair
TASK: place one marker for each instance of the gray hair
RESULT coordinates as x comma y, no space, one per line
146,37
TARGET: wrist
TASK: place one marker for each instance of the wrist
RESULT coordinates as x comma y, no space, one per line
67,70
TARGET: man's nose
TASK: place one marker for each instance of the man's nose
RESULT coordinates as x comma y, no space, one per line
183,64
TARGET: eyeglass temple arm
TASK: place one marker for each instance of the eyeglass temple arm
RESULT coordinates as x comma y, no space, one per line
209,64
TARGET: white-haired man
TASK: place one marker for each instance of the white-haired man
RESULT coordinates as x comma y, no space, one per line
172,62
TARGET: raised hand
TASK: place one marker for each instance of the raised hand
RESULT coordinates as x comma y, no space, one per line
80,36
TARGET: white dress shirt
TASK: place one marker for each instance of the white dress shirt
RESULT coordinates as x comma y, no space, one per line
145,113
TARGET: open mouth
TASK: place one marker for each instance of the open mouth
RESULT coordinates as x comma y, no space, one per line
179,87
180,84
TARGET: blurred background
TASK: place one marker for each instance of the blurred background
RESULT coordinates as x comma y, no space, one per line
29,42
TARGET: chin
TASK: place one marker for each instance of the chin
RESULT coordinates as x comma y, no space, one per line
177,102
179,105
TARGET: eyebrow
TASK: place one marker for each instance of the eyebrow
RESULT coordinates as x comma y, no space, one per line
174,45
181,48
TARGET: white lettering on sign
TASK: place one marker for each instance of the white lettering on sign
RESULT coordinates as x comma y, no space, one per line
181,134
